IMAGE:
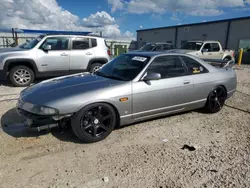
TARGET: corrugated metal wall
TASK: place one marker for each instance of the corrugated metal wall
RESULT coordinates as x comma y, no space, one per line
238,30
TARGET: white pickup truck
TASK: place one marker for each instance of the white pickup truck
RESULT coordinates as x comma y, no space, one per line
207,50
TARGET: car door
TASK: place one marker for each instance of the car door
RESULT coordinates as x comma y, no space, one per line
57,58
216,52
165,95
206,51
201,84
81,54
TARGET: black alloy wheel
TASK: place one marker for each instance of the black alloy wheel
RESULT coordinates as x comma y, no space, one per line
216,99
94,122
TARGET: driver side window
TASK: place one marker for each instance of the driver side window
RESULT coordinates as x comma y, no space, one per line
207,47
57,43
168,66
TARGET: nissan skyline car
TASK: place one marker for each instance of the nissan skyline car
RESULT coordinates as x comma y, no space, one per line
133,87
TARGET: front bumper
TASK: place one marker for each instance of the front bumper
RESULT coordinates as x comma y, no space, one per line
3,75
37,121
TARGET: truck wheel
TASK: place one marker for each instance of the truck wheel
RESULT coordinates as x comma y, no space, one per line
226,59
21,76
94,122
94,67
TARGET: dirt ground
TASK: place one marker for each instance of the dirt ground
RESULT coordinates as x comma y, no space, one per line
192,149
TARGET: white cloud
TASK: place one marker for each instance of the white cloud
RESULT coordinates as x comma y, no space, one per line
115,5
174,17
47,14
98,19
188,7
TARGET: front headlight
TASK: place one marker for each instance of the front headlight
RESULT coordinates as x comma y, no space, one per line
43,110
37,109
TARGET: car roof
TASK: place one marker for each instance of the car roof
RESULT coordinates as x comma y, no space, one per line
79,36
146,53
209,41
158,43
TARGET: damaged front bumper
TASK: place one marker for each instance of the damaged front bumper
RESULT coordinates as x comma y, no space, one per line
43,122
38,122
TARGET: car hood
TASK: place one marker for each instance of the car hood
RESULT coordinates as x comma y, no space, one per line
58,88
183,51
15,49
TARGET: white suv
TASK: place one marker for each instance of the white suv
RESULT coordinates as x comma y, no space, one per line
52,55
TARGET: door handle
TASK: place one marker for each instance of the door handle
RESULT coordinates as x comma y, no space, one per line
64,54
186,82
88,53
210,54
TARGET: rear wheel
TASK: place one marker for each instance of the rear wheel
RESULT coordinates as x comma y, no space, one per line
94,67
226,59
21,76
216,99
94,122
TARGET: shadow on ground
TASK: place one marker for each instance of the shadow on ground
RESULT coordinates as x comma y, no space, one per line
15,126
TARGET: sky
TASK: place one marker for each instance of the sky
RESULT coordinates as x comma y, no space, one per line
115,18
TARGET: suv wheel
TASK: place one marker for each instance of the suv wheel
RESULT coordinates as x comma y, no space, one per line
94,122
94,67
21,76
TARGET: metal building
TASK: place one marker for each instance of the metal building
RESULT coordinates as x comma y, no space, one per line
232,33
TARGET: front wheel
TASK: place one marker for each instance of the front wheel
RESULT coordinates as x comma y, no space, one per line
21,76
94,122
216,100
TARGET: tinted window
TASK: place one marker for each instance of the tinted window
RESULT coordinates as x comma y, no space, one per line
166,46
125,67
193,66
192,46
57,43
168,66
215,47
148,47
80,44
207,47
158,47
93,42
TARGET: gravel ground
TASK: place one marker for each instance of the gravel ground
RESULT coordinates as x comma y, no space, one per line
192,149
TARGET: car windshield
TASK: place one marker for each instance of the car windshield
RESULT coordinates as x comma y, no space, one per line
125,67
32,43
192,46
148,47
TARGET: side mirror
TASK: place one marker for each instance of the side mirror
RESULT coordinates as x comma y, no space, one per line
152,76
204,50
47,47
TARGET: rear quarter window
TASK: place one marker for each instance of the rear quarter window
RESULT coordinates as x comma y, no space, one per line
94,42
193,66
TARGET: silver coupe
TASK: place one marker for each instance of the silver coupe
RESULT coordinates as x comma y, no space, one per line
133,87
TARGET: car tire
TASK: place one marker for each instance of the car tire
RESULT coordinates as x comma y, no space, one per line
94,67
21,76
94,122
216,100
226,59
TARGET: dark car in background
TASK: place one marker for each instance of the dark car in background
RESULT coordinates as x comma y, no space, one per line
156,47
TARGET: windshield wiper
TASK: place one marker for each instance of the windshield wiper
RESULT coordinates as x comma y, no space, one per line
107,76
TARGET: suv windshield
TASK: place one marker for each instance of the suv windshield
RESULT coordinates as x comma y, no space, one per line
192,46
125,67
148,47
32,43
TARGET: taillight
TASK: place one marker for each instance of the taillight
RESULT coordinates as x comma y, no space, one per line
109,53
233,53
